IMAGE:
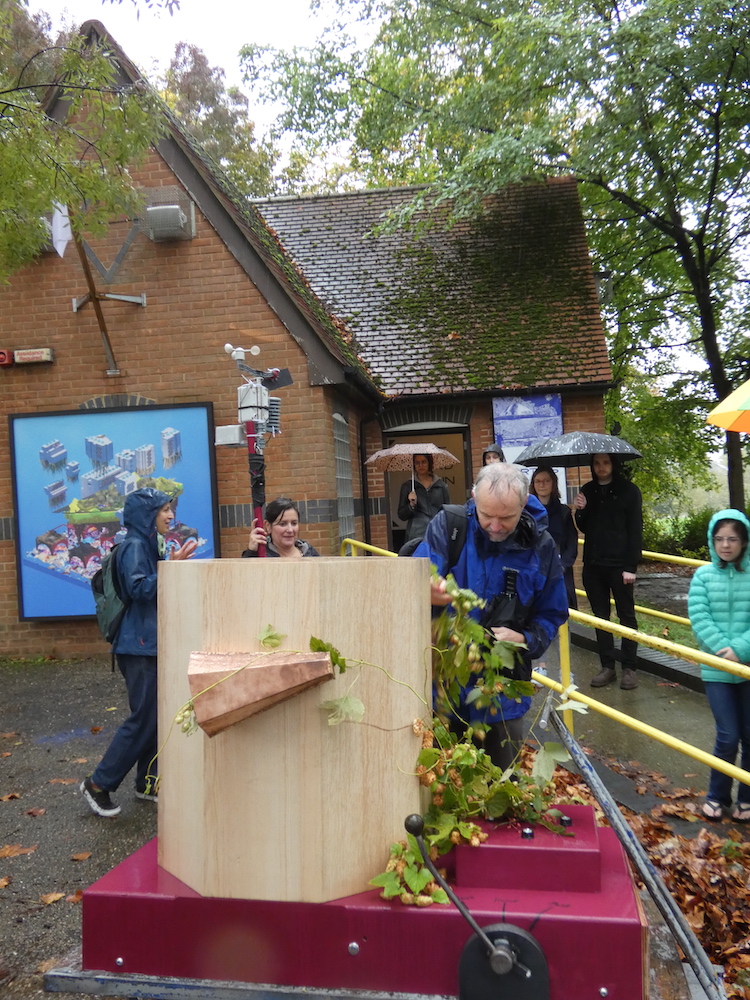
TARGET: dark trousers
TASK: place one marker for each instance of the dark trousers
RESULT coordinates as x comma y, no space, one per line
599,582
502,741
730,704
134,743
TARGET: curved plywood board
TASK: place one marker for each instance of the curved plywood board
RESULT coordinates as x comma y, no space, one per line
282,805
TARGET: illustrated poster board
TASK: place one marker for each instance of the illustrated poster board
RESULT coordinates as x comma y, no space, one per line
520,421
72,471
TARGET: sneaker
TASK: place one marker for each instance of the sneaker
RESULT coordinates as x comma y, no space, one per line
629,679
605,676
99,801
146,796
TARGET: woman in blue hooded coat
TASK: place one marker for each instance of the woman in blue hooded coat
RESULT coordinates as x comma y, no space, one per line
719,609
146,515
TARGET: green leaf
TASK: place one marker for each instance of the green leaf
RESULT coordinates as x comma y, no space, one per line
546,760
428,756
440,896
417,878
319,646
344,709
270,638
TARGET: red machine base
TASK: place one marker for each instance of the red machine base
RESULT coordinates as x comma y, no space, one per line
574,894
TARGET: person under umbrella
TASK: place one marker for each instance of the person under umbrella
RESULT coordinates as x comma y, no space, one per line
421,497
610,515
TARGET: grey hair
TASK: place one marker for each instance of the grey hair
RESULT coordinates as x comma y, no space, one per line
504,478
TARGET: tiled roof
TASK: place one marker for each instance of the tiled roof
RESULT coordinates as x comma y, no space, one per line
504,302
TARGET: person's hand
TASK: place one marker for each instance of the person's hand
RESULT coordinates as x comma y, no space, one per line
185,551
579,501
257,536
628,578
412,498
729,654
505,634
438,595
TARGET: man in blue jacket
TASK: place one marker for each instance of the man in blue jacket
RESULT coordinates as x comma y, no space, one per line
147,514
502,536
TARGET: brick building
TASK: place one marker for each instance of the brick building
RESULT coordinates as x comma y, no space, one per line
403,336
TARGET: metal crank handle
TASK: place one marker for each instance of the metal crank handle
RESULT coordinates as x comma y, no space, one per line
500,954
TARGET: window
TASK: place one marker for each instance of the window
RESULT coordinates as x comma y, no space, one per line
344,486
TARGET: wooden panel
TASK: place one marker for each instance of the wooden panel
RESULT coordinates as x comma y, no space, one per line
283,806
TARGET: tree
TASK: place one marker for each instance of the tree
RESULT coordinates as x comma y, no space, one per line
218,118
645,103
80,161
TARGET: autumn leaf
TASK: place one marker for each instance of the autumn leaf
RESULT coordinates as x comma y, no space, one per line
5,881
47,964
80,857
36,812
96,729
76,897
81,760
13,850
7,753
51,897
112,709
9,796
8,736
63,781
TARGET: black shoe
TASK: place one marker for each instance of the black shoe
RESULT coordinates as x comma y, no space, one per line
629,680
99,801
605,676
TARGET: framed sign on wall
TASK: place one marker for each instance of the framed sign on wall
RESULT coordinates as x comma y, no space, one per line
72,471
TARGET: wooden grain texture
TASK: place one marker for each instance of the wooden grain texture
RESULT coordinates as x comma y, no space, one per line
229,687
282,805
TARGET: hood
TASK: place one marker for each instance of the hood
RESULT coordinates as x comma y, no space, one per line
722,515
494,449
141,508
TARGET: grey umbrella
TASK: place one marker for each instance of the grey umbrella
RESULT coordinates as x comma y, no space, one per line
576,448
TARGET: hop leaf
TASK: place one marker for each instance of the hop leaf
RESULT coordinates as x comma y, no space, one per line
270,638
319,646
346,709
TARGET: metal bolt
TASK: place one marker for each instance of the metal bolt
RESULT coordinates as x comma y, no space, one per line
527,833
566,821
603,991
119,961
353,948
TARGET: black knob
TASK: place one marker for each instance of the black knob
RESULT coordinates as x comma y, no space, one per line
527,833
566,821
414,825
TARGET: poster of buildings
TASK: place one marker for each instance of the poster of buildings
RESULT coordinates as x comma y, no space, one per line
72,472
519,421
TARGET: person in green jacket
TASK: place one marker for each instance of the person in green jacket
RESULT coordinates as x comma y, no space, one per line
719,610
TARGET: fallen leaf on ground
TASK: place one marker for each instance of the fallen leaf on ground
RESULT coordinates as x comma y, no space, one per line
96,729
76,897
9,796
112,709
36,812
62,781
80,857
81,760
7,753
47,964
5,881
13,850
51,897
7,736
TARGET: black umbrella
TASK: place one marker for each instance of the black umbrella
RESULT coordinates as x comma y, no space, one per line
568,450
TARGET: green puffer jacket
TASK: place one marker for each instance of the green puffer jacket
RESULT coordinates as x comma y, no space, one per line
719,604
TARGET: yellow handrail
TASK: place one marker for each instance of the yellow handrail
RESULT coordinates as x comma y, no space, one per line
354,545
665,557
649,612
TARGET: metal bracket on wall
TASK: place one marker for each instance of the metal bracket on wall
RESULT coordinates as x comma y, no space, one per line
80,302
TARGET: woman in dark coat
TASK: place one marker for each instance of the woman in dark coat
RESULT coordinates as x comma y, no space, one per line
419,505
279,533
546,488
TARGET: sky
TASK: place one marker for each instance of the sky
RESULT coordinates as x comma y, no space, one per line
219,27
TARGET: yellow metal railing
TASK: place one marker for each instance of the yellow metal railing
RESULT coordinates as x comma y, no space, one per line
660,644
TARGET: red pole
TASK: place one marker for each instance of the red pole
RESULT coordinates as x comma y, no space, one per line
257,467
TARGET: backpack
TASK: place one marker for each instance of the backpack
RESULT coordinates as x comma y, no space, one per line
457,523
111,604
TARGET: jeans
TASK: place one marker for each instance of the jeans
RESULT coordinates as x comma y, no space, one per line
730,704
598,581
134,743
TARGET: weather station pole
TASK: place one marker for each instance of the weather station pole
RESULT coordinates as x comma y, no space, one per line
259,413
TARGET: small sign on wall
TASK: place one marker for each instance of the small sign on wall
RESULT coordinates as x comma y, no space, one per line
33,355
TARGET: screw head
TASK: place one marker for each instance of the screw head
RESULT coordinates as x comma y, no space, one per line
603,991
353,948
119,961
527,833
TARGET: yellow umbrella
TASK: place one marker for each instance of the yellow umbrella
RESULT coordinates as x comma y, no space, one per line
733,413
